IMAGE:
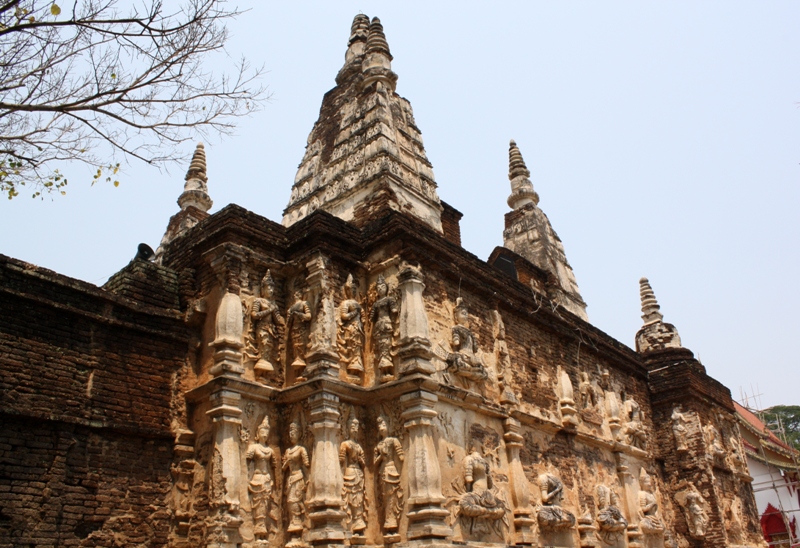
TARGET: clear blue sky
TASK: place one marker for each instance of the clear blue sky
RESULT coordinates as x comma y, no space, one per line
663,139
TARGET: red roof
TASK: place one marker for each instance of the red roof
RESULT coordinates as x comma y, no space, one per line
756,423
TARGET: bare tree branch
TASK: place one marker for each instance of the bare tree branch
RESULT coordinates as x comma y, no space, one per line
103,82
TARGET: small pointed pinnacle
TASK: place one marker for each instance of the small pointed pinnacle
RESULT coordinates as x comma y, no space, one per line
359,30
197,169
195,190
376,42
516,165
522,192
650,306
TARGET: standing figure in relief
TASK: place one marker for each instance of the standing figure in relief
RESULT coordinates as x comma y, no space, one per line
383,316
550,514
587,392
351,330
389,458
695,514
266,329
298,318
295,461
679,421
261,465
464,361
351,459
715,447
649,522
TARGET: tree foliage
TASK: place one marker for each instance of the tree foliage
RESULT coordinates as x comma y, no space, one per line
789,416
96,82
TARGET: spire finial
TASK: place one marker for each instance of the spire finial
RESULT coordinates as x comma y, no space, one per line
650,306
377,65
195,190
359,30
522,192
354,56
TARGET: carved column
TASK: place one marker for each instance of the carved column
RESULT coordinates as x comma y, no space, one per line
414,346
225,469
325,482
630,486
426,517
322,357
518,484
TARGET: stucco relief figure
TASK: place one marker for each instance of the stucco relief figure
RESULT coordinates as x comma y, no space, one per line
464,362
587,391
635,433
350,339
261,465
502,356
679,430
266,330
610,521
298,319
714,445
295,467
550,515
383,316
351,459
389,458
479,507
183,479
693,505
649,520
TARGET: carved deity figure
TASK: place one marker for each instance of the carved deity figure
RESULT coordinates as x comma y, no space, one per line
351,459
298,319
261,465
464,361
587,392
295,467
383,316
266,329
502,356
478,503
550,515
350,339
714,444
183,475
635,433
649,521
610,521
696,517
389,458
679,430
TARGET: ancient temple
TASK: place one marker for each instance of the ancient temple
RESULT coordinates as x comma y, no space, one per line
332,381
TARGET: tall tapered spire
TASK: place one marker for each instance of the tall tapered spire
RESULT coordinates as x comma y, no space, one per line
195,190
529,233
521,187
655,334
365,152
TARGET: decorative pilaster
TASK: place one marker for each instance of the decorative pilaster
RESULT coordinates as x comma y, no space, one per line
518,484
225,470
325,483
228,343
322,357
426,517
414,347
630,486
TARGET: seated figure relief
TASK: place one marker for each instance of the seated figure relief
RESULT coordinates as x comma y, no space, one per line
478,505
550,514
463,361
610,521
635,433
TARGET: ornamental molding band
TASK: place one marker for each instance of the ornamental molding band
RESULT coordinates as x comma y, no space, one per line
354,377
